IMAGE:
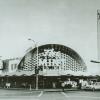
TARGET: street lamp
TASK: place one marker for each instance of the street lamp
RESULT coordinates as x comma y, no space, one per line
32,41
36,69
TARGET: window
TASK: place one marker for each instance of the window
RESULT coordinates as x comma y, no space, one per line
11,66
15,66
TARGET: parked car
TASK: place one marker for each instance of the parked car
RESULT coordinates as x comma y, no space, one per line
87,87
95,86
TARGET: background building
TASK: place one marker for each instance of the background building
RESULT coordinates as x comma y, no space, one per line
1,65
10,65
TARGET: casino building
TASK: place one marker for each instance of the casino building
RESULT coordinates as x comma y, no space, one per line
54,63
53,60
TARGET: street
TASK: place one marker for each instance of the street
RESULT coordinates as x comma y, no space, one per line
47,95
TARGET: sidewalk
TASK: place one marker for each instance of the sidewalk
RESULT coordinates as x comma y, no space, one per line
45,90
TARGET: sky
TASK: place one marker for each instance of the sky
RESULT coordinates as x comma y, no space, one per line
72,23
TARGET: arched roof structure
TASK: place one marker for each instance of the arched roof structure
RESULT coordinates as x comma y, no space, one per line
53,57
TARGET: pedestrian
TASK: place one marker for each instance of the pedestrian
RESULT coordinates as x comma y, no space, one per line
63,85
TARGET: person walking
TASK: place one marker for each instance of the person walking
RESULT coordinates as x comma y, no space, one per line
63,85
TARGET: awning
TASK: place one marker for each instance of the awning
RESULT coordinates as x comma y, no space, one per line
18,73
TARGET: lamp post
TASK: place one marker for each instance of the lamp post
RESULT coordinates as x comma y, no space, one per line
36,69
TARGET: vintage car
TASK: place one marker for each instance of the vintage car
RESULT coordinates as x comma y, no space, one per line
95,86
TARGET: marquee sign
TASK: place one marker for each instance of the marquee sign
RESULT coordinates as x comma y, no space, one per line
51,58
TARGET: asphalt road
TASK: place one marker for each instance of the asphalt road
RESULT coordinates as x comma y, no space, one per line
44,95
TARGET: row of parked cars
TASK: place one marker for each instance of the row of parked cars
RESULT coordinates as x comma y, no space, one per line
94,86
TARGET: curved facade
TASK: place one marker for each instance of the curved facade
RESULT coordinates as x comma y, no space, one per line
53,60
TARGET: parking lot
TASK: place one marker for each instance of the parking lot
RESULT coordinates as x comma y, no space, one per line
82,95
48,95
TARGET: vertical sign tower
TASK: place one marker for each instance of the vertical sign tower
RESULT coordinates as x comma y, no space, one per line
98,33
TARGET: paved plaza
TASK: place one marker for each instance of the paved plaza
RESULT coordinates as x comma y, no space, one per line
48,95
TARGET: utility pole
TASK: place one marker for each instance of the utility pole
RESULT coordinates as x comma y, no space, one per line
36,68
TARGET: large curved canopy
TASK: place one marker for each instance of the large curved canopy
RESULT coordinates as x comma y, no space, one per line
72,58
